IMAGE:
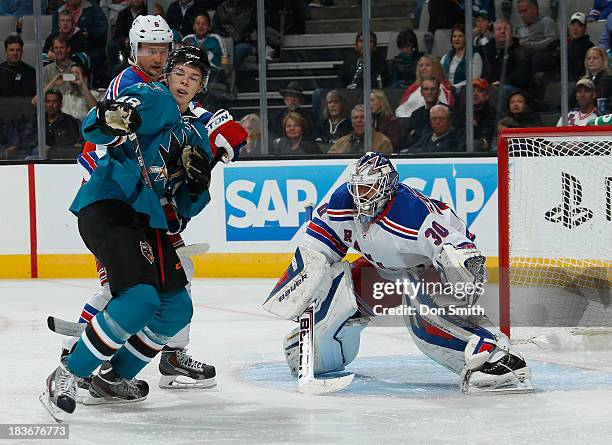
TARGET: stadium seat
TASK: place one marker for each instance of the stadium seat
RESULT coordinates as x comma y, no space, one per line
7,25
393,50
594,29
30,53
442,42
27,32
424,19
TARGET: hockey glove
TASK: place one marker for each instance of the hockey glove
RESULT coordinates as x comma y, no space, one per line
176,223
197,169
226,134
117,118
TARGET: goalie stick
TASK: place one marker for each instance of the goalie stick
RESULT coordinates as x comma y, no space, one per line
307,383
75,329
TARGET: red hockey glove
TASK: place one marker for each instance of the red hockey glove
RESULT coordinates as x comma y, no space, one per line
225,133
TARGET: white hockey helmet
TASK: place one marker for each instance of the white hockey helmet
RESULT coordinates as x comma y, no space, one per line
372,181
148,29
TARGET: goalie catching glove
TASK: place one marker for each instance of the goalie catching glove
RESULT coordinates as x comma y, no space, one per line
117,118
463,267
306,280
197,168
227,134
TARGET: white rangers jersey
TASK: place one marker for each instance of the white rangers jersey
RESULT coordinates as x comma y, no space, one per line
410,231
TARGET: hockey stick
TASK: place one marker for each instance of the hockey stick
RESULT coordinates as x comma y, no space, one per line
193,249
307,383
64,327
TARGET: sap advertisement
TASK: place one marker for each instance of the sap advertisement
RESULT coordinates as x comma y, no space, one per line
264,201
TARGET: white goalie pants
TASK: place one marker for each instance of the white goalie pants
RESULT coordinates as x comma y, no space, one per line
440,336
98,301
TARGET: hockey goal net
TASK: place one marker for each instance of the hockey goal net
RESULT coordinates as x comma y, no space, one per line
555,239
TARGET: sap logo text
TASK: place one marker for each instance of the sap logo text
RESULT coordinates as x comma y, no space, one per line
293,287
270,207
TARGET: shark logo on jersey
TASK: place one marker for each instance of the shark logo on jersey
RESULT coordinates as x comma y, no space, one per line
569,213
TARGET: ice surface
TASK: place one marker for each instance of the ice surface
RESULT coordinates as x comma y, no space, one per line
399,395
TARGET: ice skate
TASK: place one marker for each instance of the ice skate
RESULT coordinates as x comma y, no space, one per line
59,397
109,387
82,383
498,370
180,371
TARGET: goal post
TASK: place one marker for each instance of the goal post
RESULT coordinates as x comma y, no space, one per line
555,227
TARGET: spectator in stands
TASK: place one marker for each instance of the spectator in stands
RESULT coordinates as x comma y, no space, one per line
237,19
252,124
442,137
17,78
354,141
121,38
403,66
506,63
63,135
91,21
209,42
336,119
8,137
293,98
412,99
586,96
67,29
484,116
502,124
519,110
482,31
600,11
443,14
383,119
418,123
453,62
351,71
604,38
294,141
59,66
539,35
181,13
578,42
77,98
19,8
597,69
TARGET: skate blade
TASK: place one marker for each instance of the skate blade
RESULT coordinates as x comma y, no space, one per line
523,386
90,400
182,382
55,412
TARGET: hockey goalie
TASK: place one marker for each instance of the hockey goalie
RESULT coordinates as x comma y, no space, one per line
402,236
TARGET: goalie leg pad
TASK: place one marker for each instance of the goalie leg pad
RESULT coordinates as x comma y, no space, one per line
336,337
307,279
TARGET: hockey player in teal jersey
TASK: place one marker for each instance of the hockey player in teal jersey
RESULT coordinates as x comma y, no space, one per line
152,151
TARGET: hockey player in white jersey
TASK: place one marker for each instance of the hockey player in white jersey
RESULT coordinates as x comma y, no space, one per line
401,235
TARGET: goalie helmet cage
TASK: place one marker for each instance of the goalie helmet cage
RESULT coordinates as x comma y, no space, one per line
555,226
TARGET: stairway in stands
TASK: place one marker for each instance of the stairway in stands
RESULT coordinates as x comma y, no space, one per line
314,58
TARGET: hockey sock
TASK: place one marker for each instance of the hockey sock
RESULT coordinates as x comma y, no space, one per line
137,352
101,339
181,339
126,314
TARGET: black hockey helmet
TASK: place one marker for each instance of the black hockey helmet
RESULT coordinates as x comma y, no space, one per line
189,55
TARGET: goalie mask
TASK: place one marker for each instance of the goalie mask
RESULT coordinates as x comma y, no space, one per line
372,182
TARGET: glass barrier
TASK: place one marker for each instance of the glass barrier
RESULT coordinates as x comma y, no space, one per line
531,66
